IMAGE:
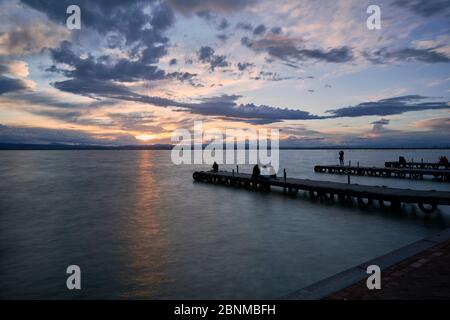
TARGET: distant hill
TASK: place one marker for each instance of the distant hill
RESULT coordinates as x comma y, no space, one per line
19,146
55,146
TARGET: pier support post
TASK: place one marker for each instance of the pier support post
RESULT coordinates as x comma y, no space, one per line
284,179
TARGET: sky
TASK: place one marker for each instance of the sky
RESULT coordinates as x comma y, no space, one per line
138,70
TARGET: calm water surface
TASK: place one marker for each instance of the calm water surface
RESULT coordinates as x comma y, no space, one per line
139,227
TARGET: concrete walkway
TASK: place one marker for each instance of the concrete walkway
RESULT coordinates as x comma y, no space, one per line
421,277
420,270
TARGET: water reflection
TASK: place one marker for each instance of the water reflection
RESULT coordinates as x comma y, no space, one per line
147,238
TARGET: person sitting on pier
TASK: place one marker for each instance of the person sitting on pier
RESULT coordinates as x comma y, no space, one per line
341,157
256,172
215,167
264,174
443,160
272,172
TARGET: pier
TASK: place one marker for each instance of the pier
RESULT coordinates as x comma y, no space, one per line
365,195
417,165
438,174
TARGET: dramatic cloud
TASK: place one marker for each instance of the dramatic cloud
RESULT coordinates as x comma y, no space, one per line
222,37
384,55
126,18
14,68
224,106
103,68
276,30
273,76
379,125
24,40
244,26
286,49
207,55
259,30
188,7
224,24
244,65
438,124
141,121
426,8
31,99
381,122
107,89
185,77
8,84
126,48
384,107
141,25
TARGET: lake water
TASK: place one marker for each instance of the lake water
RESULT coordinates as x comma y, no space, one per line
140,227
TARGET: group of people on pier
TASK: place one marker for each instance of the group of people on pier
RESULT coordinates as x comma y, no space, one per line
266,172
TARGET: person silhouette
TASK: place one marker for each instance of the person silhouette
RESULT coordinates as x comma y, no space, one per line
256,172
215,167
341,157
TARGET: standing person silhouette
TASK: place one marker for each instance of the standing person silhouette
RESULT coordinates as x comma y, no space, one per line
341,157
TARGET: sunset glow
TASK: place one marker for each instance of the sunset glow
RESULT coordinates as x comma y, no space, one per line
145,137
321,79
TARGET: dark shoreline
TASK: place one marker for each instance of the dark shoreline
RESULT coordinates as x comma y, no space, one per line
13,146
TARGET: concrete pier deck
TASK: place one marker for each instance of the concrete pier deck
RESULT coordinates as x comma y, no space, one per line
417,165
365,195
438,174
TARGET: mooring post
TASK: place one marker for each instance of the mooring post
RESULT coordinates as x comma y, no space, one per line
348,176
358,164
237,169
232,173
350,163
284,178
